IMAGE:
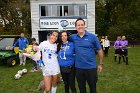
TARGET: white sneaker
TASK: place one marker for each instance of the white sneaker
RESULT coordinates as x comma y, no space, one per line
33,70
20,64
23,64
60,79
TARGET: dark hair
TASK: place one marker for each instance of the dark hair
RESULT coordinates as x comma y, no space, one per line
60,40
33,39
78,20
68,34
51,32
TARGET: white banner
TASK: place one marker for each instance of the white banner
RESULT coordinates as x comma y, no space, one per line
58,23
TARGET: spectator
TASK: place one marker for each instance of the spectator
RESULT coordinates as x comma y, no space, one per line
22,42
66,61
102,41
34,43
106,45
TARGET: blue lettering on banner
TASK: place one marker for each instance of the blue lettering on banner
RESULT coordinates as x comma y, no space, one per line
62,23
54,23
49,23
46,23
72,23
42,23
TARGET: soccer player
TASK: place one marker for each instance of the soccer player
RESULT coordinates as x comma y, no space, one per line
124,44
106,45
22,43
49,56
117,45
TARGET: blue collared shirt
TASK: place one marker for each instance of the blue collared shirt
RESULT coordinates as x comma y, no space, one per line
85,48
22,43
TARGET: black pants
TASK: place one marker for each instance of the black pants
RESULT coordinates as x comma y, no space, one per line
89,75
125,56
69,80
125,52
106,51
34,64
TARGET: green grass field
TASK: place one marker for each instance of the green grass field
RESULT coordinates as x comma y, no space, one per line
115,78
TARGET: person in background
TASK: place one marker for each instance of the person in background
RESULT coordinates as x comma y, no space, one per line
51,69
22,43
85,44
66,14
106,45
124,47
102,41
34,43
66,61
117,47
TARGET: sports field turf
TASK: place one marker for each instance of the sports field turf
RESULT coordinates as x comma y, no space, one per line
115,78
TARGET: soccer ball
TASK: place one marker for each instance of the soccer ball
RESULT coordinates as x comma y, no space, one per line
20,72
17,76
24,71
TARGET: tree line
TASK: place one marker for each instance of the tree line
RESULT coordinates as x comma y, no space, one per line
113,17
15,17
118,17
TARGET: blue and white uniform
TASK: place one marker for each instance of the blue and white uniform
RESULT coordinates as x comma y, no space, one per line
49,57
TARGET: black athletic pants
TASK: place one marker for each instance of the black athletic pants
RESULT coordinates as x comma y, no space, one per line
89,76
69,80
106,51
